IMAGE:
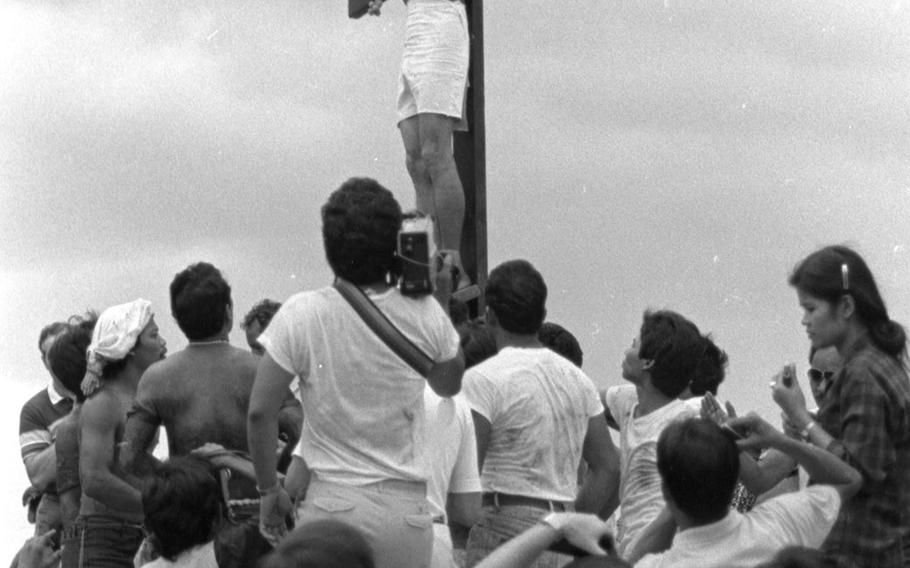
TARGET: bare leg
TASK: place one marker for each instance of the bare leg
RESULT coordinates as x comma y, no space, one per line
435,140
423,187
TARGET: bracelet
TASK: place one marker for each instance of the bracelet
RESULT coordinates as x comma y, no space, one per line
804,433
550,521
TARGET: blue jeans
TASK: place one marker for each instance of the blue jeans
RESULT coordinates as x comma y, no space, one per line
499,524
71,541
107,542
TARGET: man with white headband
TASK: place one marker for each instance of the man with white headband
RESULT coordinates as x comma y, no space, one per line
124,344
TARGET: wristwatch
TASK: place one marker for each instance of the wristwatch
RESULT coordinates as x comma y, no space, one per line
552,521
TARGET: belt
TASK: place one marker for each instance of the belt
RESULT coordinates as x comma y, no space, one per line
505,500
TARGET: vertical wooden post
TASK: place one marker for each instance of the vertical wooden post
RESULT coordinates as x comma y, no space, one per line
470,158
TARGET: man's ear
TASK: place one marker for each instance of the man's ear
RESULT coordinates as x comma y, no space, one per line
646,364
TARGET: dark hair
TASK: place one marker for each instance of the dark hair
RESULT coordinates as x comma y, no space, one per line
360,224
699,466
822,274
561,340
711,369
67,357
477,342
262,312
199,296
325,543
516,292
675,346
49,330
183,504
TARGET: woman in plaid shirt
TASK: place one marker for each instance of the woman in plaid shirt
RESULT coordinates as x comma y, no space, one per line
865,417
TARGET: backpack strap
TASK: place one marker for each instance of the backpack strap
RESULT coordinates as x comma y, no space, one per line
383,328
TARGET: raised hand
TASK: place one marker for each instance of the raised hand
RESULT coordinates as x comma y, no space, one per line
787,393
756,432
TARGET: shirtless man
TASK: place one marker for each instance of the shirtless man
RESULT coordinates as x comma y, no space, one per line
125,343
431,94
201,396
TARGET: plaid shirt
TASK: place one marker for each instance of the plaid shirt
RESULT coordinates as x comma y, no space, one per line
867,411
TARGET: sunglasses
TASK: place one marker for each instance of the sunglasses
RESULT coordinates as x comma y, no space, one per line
817,376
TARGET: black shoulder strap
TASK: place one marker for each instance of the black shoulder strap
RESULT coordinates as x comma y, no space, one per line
382,327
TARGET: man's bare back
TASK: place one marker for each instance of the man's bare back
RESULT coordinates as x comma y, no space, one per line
200,395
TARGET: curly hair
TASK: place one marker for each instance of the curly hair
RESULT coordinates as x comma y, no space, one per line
262,312
360,224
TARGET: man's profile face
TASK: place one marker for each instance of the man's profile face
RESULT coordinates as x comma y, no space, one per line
252,338
632,365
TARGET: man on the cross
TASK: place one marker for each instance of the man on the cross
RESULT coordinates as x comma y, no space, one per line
431,97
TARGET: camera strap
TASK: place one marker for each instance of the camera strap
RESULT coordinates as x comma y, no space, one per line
383,328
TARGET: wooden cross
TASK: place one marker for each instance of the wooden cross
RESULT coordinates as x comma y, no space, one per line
471,160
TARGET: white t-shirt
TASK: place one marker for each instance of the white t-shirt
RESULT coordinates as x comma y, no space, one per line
803,518
362,404
538,405
451,449
202,556
640,495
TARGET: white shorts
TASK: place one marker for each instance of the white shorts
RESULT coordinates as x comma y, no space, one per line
434,68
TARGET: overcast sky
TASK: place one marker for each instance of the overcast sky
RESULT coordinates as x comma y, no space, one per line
644,153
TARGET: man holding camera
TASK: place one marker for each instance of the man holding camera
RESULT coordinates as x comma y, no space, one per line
363,438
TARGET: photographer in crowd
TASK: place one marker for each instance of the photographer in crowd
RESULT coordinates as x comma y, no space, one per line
363,438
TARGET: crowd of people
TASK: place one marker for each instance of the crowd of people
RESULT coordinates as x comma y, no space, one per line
367,427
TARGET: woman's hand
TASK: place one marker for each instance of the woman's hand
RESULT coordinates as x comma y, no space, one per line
789,397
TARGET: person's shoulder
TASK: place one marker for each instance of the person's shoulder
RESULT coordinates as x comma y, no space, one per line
102,404
488,367
308,297
792,502
36,402
873,373
160,370
243,361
